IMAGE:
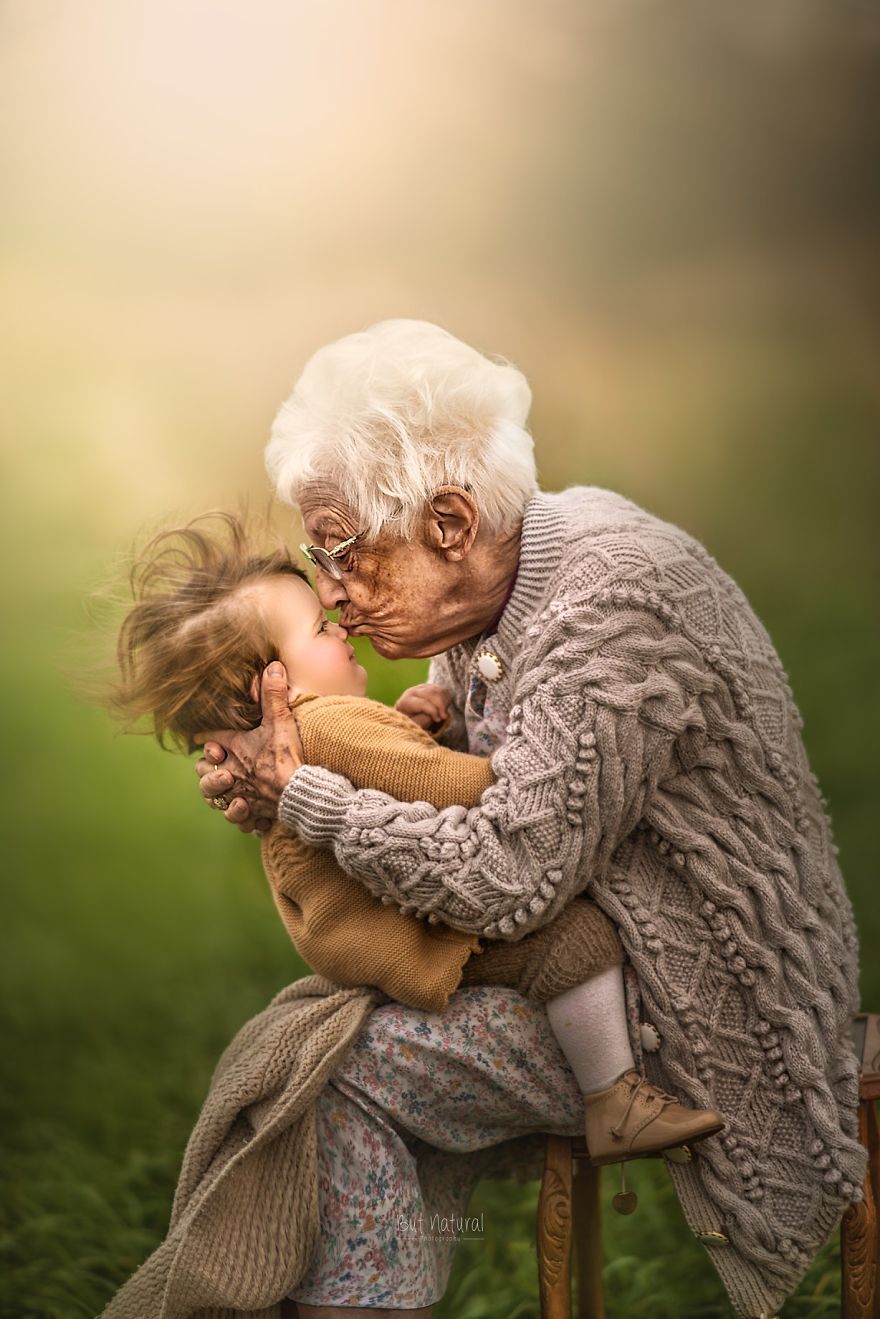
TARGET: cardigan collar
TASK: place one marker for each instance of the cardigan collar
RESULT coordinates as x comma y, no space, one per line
542,547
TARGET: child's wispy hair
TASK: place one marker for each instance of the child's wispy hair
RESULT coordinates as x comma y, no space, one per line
192,644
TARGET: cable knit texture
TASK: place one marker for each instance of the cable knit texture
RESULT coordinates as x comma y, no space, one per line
653,755
346,934
577,945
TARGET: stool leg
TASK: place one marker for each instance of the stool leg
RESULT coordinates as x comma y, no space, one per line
588,1241
554,1230
860,1232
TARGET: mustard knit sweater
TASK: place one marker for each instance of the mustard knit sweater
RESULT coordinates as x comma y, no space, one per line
351,937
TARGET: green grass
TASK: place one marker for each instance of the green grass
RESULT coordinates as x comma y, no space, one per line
143,935
653,1267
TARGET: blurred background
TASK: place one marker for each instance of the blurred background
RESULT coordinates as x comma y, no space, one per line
665,214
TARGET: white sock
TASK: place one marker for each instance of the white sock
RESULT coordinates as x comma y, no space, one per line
589,1022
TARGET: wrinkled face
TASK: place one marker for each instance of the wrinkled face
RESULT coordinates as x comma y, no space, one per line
315,652
393,591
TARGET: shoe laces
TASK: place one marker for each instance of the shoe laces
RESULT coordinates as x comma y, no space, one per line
660,1096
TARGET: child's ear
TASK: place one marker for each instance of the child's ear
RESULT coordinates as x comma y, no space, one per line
254,690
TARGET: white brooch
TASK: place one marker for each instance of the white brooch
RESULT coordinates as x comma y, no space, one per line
650,1037
489,666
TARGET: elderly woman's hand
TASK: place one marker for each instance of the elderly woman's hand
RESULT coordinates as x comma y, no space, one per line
249,770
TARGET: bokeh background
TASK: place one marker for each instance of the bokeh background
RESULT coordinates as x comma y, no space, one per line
665,214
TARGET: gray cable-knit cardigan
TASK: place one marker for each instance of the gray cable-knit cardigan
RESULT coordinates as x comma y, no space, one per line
653,753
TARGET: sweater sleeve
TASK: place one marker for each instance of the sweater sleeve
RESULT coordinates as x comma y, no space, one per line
375,747
599,703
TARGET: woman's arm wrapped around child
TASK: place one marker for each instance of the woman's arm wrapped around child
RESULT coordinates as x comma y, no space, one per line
345,933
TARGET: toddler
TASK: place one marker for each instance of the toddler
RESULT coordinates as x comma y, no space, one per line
210,612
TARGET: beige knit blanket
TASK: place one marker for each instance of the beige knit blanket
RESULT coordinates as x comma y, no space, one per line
241,1235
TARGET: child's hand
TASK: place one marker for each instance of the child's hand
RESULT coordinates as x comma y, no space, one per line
426,705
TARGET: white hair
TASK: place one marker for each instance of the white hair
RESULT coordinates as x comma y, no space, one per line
390,414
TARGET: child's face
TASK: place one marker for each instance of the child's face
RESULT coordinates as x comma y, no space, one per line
315,652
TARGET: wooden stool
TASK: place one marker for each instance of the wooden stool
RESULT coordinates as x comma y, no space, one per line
569,1202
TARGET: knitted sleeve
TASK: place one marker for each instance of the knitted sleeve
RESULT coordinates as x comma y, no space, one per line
379,748
600,697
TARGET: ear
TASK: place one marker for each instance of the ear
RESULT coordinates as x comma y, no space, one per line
255,687
452,521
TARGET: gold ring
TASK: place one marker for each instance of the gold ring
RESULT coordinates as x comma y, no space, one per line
222,803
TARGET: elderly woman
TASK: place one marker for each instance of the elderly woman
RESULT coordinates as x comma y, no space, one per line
647,751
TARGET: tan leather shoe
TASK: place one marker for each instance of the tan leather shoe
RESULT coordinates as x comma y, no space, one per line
632,1119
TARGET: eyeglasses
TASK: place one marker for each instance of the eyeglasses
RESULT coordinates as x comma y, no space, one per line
326,559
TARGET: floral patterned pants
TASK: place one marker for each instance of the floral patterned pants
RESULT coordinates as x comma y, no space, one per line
398,1127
